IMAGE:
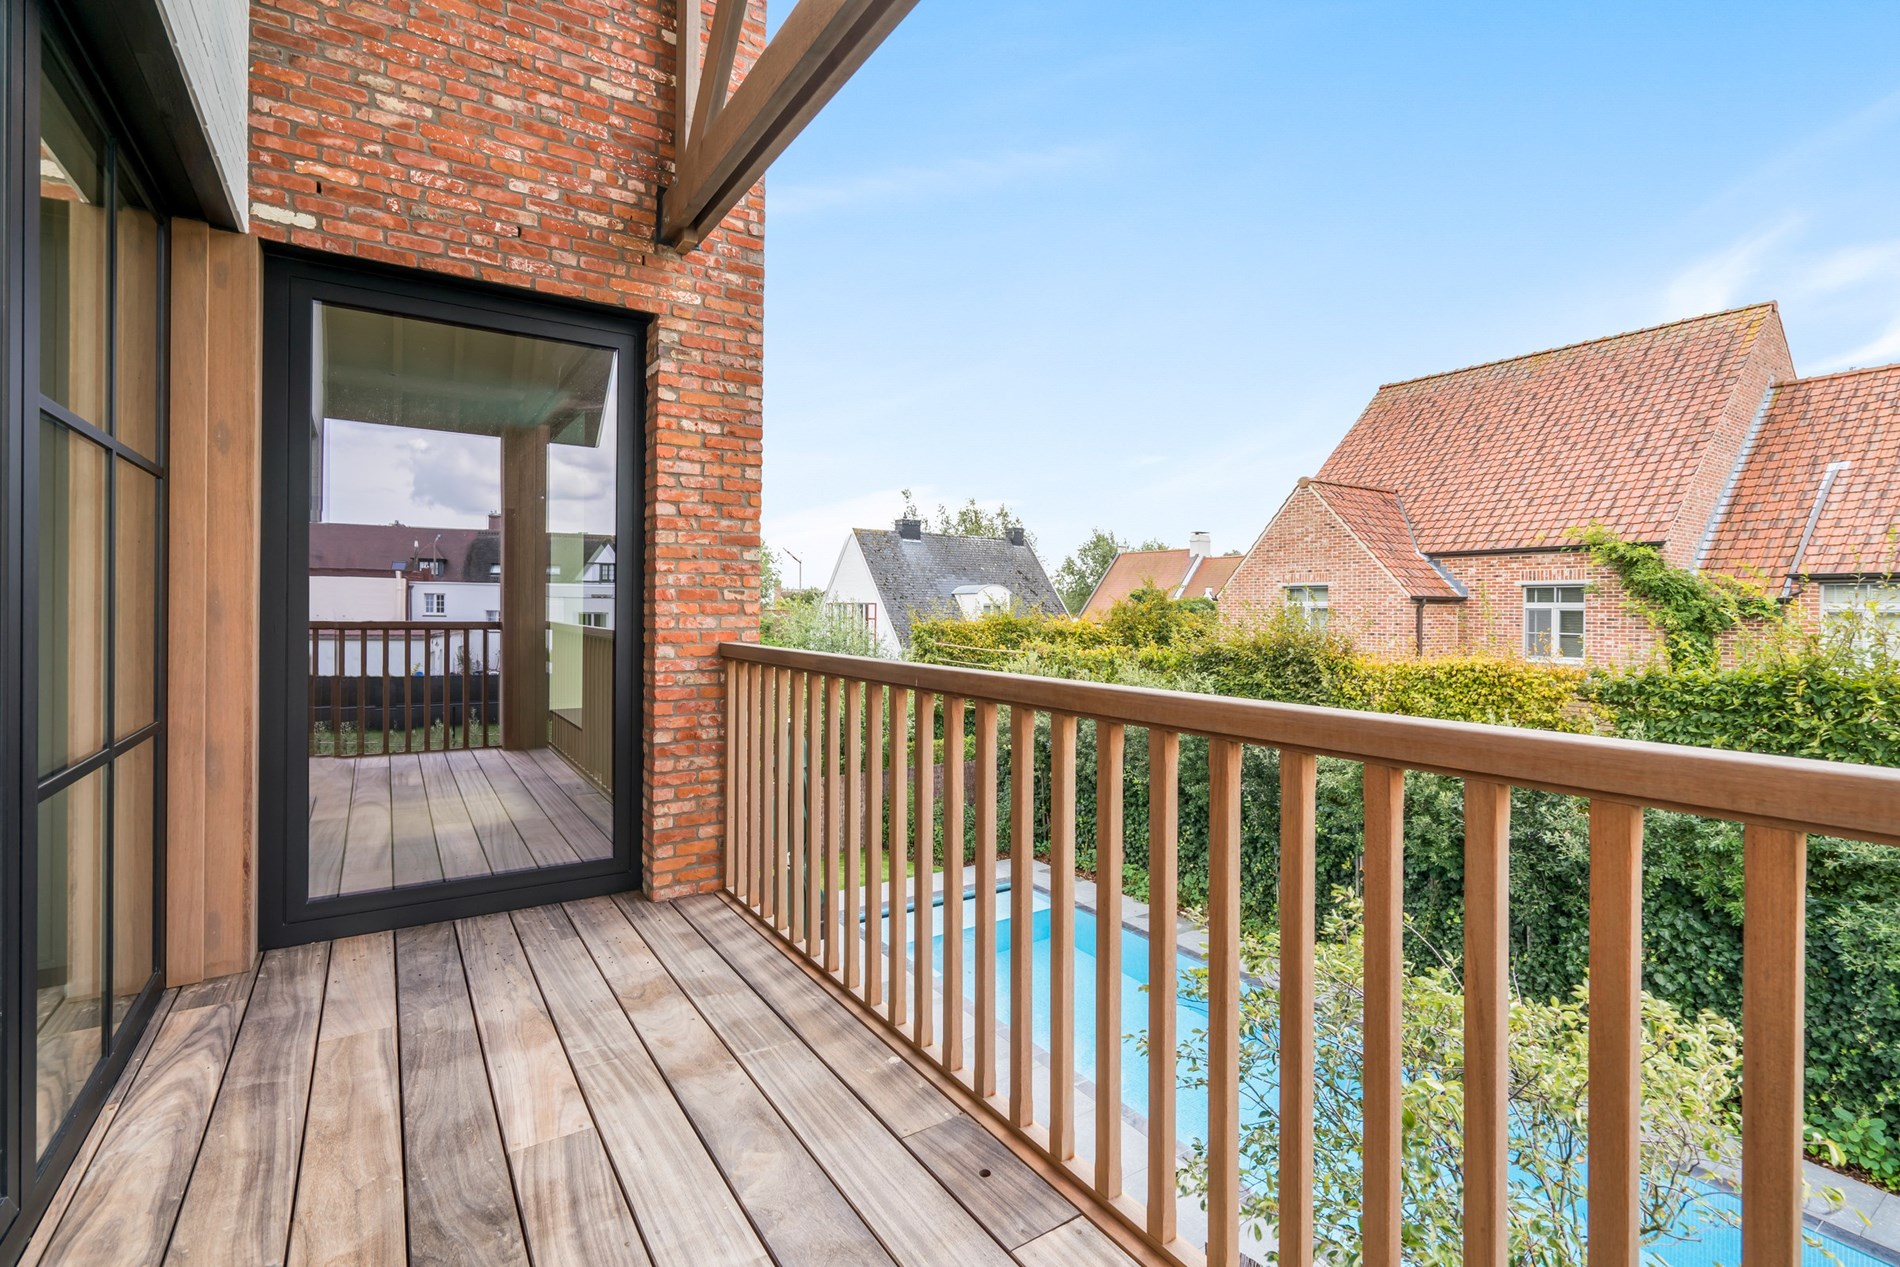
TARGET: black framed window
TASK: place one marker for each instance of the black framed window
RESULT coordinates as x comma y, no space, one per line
92,435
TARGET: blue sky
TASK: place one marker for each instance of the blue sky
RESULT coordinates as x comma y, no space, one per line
1139,266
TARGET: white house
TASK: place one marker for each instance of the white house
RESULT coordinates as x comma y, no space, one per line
885,577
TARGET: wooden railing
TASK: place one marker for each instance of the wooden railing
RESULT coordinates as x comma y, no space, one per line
403,686
585,734
806,834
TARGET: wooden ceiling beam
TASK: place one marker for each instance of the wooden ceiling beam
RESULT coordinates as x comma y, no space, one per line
729,142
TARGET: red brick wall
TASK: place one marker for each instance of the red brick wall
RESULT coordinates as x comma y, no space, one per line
523,142
1307,543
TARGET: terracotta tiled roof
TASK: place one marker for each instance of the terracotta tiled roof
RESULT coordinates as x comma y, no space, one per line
1163,569
1133,569
1511,454
1377,517
1849,422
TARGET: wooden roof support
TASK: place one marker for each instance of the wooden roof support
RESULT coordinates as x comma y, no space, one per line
726,142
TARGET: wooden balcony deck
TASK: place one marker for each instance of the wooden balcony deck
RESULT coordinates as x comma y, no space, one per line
378,822
609,1081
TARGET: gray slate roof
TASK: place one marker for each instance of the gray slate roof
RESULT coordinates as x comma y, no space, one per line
919,577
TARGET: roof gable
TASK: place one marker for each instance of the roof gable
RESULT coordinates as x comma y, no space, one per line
921,575
1132,569
1784,496
1511,454
1377,518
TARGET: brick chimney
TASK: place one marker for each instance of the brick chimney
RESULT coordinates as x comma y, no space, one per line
910,529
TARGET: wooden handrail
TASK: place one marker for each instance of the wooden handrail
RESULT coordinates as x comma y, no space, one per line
1836,799
808,780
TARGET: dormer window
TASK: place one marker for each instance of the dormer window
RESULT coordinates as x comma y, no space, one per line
974,601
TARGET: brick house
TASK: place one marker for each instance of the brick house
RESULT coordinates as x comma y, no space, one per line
1440,522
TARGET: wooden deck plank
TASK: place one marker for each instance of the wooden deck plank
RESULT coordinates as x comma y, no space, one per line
238,1205
124,1207
582,833
330,786
591,800
543,839
502,844
903,1203
571,1208
796,1208
460,1199
456,840
1006,1196
367,862
418,860
686,1213
35,1250
349,1206
1077,1241
897,1093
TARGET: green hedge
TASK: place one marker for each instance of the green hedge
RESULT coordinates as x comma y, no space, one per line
1811,702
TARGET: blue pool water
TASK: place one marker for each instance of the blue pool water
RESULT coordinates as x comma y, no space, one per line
1715,1244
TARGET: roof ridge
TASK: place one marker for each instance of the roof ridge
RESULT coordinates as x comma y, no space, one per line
1801,380
1580,343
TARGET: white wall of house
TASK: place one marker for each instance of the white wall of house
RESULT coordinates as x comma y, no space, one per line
851,584
355,598
461,600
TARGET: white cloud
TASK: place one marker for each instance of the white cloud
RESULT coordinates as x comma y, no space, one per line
1882,349
1723,278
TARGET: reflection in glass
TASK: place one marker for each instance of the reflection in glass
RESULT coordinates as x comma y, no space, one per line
135,406
72,597
462,514
134,806
135,599
71,947
72,253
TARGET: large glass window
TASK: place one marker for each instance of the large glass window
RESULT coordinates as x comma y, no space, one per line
99,600
462,527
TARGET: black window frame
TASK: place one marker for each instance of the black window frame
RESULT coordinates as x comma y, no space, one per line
294,279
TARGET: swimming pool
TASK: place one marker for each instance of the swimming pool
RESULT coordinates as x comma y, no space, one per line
1716,1245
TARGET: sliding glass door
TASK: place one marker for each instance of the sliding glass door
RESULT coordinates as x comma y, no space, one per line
454,687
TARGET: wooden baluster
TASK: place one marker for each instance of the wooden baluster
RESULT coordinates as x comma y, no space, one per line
336,699
785,734
735,799
801,806
382,682
985,1001
408,693
771,796
924,925
834,815
1223,1003
362,692
875,755
1022,915
952,883
1380,1218
900,833
481,685
1297,852
816,785
1164,817
1774,1002
853,831
761,760
465,742
1110,740
1062,935
1616,1030
1487,1012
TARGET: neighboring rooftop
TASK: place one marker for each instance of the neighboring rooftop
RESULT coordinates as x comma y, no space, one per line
1819,492
1181,573
342,549
1511,454
920,575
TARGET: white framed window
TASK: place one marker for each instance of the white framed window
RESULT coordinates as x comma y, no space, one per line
1312,602
435,604
1871,609
1553,621
594,620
